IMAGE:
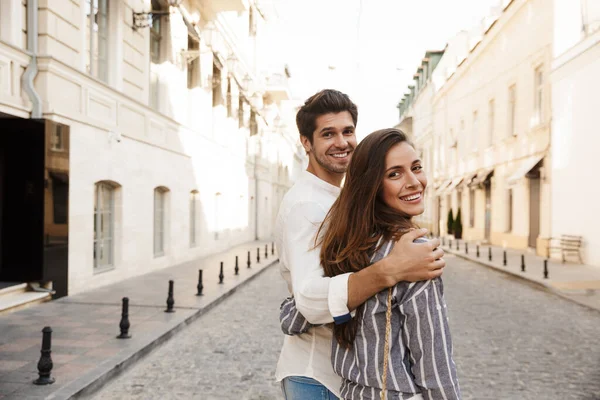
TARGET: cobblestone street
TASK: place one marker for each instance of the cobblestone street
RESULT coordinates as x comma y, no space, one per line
511,341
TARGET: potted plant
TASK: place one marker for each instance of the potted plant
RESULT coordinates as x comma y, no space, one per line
457,227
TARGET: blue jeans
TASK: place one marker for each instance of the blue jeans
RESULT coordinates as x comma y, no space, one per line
302,388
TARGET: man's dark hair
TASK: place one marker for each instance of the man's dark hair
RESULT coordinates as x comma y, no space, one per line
324,102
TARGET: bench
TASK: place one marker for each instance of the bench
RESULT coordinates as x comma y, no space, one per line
568,245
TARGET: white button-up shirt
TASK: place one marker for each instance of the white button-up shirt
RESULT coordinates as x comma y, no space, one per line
319,299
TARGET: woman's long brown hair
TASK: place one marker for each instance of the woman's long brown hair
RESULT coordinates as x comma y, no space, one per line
359,218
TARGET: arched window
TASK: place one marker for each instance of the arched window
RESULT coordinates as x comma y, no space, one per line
104,224
160,216
194,209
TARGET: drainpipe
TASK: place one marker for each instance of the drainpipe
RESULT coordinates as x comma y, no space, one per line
32,69
256,197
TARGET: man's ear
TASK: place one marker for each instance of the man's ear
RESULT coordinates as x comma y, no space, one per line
305,143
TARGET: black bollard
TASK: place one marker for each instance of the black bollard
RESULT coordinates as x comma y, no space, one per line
258,255
504,258
545,269
221,276
249,262
457,245
170,299
522,263
45,364
466,248
490,253
272,248
477,251
266,251
450,243
443,241
124,324
237,267
200,286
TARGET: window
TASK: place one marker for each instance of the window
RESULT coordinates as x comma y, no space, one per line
475,132
509,224
512,109
538,95
491,119
97,38
253,123
240,111
160,195
193,66
156,32
252,22
229,99
104,221
60,197
194,200
217,91
472,208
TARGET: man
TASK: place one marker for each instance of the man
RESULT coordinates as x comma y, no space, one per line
327,123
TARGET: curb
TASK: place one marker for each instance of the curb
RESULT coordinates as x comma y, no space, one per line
96,383
539,284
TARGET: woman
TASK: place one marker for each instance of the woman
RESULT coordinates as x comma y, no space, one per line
398,344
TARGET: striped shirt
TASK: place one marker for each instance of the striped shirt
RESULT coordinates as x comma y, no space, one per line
420,350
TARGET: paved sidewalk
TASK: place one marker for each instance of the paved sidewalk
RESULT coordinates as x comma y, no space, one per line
576,282
85,350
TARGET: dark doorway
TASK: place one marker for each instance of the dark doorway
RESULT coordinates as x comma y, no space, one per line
34,188
534,206
488,210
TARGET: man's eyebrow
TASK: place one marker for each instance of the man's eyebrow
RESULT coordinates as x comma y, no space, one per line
330,128
418,160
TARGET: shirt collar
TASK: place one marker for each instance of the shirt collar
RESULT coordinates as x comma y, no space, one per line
315,180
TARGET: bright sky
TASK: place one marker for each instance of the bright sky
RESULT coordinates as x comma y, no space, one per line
372,46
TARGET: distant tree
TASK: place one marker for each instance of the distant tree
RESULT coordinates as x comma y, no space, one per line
450,223
457,227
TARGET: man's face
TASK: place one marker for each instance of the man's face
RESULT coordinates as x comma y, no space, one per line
334,141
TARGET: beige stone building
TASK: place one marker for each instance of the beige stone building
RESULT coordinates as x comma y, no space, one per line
487,123
575,80
136,135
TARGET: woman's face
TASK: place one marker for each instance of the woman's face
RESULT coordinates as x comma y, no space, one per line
404,181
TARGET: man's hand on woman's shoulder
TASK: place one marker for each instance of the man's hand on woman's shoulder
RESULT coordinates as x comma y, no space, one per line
412,261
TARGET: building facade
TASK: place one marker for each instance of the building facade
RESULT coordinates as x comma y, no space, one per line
134,141
490,128
575,85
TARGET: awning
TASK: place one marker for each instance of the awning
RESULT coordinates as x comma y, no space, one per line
441,188
523,167
469,177
453,185
187,19
481,177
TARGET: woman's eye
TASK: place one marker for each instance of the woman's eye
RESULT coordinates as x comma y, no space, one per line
417,168
394,174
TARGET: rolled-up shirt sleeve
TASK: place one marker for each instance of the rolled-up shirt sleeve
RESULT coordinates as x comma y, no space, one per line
319,299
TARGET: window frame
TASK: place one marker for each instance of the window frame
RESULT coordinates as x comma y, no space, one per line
98,232
97,60
512,110
160,193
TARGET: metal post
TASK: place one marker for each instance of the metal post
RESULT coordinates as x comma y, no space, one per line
466,248
237,267
258,254
124,324
443,241
221,276
200,286
504,258
545,269
490,253
477,251
266,251
170,299
522,263
272,248
457,244
45,364
249,262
